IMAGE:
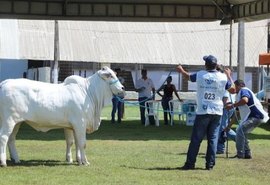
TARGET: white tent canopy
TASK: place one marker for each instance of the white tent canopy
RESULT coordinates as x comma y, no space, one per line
130,42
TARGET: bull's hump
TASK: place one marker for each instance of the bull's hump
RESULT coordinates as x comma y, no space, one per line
74,79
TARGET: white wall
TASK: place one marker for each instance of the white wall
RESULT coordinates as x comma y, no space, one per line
159,78
42,74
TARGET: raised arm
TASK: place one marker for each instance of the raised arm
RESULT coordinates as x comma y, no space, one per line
228,73
180,69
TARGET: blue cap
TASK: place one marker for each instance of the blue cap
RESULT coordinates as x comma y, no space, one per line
210,59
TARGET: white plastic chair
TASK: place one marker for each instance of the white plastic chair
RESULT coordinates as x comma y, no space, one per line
189,109
153,107
176,108
189,106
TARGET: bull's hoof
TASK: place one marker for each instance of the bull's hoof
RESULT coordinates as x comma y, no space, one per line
84,163
69,161
3,165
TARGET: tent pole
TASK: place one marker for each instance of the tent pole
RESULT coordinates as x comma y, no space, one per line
241,51
268,49
54,65
230,49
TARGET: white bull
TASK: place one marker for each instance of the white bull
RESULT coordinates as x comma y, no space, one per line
74,105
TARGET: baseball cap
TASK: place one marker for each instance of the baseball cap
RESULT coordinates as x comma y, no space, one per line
210,59
240,82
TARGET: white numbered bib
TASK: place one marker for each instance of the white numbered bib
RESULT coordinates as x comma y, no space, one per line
209,96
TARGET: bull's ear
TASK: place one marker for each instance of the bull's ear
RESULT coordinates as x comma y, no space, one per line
104,68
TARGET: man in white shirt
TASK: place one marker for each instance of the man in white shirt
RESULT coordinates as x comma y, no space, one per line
211,86
146,89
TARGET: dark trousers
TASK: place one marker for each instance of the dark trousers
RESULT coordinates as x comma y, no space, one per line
142,101
166,109
204,125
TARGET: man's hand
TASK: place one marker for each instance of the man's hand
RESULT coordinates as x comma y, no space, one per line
228,71
227,129
229,106
180,69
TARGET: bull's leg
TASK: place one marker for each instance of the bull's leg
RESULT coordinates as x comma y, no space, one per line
78,153
69,142
80,140
5,132
11,145
3,145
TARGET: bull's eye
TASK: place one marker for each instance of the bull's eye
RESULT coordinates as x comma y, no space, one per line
108,75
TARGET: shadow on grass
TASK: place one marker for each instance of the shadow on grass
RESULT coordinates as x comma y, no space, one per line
254,135
265,126
130,130
30,163
159,168
127,130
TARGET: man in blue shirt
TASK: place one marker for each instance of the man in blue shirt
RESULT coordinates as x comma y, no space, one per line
211,86
252,115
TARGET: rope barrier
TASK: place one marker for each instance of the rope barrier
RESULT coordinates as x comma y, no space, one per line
138,103
149,98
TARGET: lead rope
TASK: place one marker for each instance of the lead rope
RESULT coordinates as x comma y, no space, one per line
137,103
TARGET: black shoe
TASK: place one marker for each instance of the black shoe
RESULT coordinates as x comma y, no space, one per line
209,167
187,167
220,152
238,157
119,121
248,156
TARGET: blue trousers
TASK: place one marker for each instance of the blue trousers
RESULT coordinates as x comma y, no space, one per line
204,125
116,106
242,144
224,121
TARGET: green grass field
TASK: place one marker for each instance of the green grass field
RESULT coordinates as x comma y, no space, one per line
129,153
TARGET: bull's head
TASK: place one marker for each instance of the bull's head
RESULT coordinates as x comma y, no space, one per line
110,77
